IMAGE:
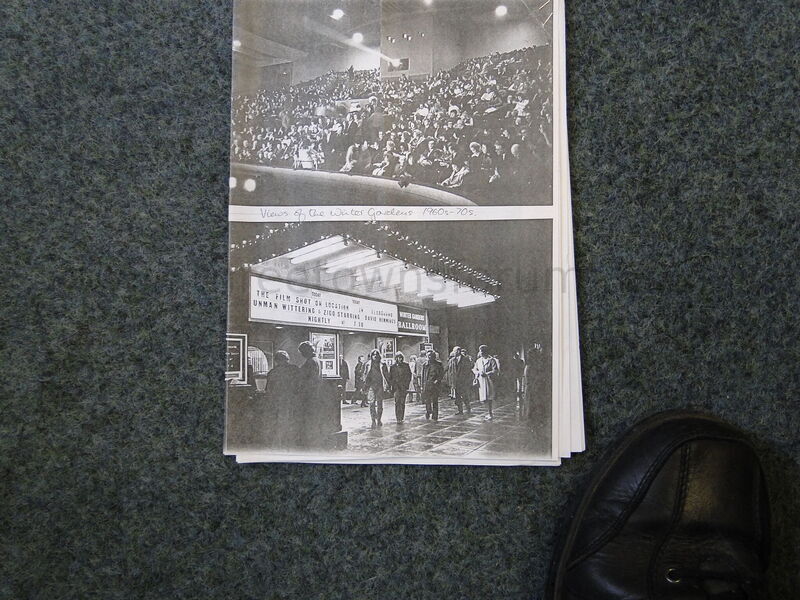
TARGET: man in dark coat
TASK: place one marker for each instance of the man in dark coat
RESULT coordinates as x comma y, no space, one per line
399,381
432,378
280,389
359,383
310,384
344,374
376,380
459,370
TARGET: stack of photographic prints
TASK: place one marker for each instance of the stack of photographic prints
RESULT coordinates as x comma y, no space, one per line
401,265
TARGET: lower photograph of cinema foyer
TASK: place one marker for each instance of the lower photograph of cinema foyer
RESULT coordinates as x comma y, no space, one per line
412,342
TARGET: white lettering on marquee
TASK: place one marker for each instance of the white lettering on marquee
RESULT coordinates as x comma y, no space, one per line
280,302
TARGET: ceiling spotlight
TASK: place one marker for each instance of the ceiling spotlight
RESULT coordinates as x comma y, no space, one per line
237,44
427,2
358,37
337,14
249,185
501,11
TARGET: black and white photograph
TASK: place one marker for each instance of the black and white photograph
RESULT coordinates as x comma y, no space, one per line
393,102
393,342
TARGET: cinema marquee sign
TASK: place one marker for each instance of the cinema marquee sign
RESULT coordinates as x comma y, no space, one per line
273,301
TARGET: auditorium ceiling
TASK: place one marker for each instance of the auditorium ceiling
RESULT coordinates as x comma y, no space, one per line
306,25
293,28
471,8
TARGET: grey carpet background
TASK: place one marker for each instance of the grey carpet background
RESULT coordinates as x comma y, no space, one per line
684,133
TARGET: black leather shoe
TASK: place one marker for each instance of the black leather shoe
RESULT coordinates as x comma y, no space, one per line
677,509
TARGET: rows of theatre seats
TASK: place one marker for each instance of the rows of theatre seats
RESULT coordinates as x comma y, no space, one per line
481,129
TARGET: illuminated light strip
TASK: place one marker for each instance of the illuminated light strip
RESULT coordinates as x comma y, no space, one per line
314,246
319,253
353,259
462,295
386,266
450,300
365,261
476,301
383,275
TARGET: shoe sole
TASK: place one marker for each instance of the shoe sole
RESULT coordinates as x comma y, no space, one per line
577,507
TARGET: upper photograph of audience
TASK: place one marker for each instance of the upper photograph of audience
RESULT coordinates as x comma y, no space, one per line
481,129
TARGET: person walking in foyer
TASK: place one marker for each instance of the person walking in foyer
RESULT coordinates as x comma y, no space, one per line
376,380
432,379
416,373
412,364
309,383
448,374
344,374
281,388
486,370
399,380
358,395
459,371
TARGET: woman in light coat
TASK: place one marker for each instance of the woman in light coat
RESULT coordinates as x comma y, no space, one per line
486,371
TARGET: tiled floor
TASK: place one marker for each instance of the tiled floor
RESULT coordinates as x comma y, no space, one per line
468,436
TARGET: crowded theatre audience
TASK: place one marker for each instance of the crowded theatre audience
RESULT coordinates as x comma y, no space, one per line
481,128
